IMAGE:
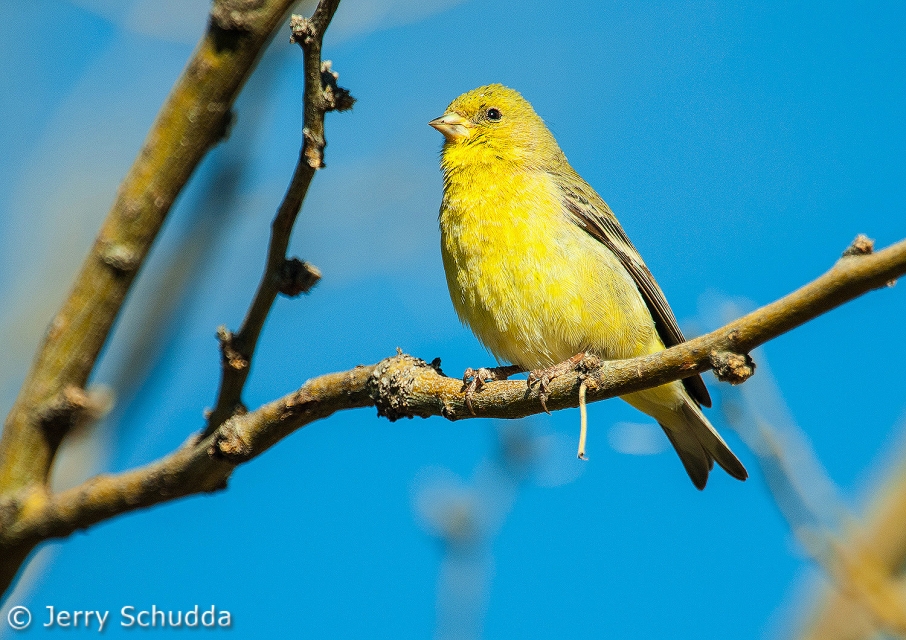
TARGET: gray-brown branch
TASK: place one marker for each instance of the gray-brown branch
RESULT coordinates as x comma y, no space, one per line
403,386
282,275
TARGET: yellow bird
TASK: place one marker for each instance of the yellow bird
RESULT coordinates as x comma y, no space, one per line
541,270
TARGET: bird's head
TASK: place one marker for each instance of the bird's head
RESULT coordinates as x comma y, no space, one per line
495,124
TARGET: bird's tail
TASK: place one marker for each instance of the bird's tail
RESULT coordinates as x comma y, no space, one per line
698,444
690,433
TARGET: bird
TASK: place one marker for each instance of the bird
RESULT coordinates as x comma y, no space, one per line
541,271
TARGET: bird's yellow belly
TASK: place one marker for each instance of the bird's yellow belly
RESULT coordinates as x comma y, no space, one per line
537,289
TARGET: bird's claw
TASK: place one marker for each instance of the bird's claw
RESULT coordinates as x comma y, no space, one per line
473,380
544,377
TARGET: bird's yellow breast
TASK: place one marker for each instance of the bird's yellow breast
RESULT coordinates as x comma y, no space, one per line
535,288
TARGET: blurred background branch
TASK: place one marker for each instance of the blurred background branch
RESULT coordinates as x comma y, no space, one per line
865,562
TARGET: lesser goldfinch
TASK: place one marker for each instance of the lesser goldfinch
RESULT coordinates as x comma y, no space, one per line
541,270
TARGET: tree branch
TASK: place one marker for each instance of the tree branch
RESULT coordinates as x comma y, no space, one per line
403,386
878,546
281,275
194,117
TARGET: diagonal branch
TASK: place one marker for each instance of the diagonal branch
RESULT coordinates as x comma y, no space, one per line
282,275
194,118
403,386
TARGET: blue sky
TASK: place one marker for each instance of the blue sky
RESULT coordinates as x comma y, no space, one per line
742,145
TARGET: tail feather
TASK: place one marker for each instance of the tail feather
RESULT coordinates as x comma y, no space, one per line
696,461
696,442
713,443
699,446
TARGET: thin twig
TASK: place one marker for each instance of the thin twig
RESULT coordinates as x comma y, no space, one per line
403,386
282,275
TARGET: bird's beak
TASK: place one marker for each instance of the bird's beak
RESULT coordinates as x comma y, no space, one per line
453,126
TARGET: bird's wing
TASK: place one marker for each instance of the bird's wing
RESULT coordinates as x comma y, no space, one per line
590,212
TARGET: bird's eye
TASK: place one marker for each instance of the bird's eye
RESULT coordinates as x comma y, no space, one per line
494,114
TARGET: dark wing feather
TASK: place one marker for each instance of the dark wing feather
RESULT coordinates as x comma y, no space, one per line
590,212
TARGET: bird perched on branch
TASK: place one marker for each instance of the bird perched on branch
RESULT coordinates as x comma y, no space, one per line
542,272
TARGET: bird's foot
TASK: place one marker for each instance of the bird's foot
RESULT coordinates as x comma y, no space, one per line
545,376
473,380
